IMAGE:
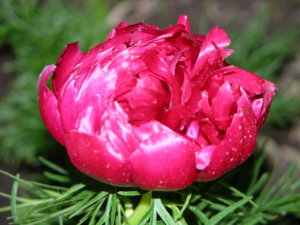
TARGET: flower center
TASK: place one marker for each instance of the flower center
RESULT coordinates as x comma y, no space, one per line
143,98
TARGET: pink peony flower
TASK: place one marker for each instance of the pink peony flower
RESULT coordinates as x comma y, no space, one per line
158,109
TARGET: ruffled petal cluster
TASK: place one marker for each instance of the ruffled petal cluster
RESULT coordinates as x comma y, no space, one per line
153,108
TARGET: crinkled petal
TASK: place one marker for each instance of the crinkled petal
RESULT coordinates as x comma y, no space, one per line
269,92
249,81
193,130
67,108
96,157
95,82
186,89
165,160
237,146
215,38
48,106
113,34
257,106
222,103
79,91
210,131
183,19
175,115
88,120
117,130
69,58
159,67
203,157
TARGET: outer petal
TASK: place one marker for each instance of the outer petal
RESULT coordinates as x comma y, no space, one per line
249,81
65,64
165,160
81,90
269,92
48,106
96,157
255,86
112,34
237,146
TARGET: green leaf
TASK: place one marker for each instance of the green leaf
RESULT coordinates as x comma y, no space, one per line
94,212
259,184
81,205
53,166
61,220
56,177
225,212
142,208
201,216
129,193
162,212
153,218
88,202
51,215
32,183
105,218
71,191
113,208
254,221
13,201
185,205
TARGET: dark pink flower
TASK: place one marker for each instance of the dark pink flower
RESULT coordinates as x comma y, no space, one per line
158,109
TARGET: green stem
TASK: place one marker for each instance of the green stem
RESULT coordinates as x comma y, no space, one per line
141,209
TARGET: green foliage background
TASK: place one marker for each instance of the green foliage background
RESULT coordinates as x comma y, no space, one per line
37,34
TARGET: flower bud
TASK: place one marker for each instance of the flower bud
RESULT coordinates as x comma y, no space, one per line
157,109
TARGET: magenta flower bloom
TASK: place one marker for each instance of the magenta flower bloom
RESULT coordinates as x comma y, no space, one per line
157,109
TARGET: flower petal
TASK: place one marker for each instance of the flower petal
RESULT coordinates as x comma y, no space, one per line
269,91
48,105
237,146
203,157
88,120
82,89
117,130
65,64
215,38
160,68
96,157
249,81
165,160
222,103
183,19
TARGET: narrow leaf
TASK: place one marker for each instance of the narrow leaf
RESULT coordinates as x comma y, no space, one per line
201,216
13,201
162,212
53,166
219,216
71,191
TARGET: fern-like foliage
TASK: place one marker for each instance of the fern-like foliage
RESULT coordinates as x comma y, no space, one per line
259,200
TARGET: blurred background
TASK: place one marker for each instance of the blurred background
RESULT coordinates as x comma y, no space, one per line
265,35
